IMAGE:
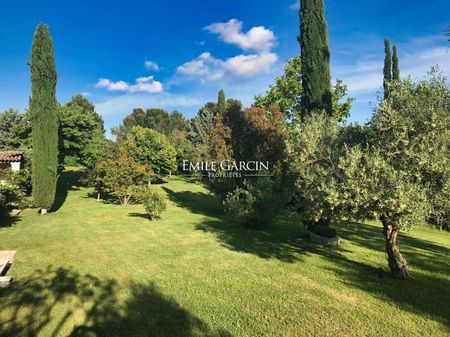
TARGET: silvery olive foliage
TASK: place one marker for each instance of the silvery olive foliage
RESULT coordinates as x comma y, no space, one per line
399,170
412,133
314,161
370,188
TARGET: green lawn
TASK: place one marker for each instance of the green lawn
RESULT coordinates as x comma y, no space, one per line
99,269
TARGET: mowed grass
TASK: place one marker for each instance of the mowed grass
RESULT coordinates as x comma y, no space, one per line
99,269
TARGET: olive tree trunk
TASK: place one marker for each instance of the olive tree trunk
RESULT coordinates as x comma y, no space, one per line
397,262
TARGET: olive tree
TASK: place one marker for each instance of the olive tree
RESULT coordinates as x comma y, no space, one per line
314,157
412,131
370,188
335,177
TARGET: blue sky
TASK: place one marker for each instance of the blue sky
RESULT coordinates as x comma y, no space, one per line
178,54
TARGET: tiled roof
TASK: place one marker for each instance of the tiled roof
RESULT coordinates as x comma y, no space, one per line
10,156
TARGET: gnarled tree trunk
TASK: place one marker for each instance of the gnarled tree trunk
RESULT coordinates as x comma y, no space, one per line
397,262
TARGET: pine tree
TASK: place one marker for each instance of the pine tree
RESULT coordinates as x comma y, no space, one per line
395,66
387,75
44,119
221,103
315,58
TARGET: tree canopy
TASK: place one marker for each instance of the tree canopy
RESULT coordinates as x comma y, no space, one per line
151,148
156,119
15,130
287,93
81,132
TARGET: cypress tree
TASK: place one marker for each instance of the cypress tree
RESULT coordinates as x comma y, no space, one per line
387,75
44,119
221,103
395,67
315,57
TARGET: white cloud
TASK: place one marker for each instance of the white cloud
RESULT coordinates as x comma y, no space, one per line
143,84
204,67
250,65
150,65
257,38
103,83
207,68
295,6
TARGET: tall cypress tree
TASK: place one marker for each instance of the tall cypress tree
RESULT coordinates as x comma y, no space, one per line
315,57
395,66
221,103
44,119
387,75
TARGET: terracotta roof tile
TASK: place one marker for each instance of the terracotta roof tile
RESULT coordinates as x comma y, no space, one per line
10,156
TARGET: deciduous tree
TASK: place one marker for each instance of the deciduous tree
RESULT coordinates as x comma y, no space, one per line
121,176
15,130
287,93
151,148
81,133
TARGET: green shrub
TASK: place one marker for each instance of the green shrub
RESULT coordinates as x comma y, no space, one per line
239,205
324,231
2,203
154,203
19,181
255,205
13,195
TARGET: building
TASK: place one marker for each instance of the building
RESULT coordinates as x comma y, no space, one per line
11,159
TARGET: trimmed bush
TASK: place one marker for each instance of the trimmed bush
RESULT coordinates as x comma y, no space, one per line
154,203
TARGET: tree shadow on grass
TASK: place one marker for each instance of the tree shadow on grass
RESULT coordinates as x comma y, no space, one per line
59,300
139,215
67,181
423,254
105,198
9,221
426,294
287,240
195,202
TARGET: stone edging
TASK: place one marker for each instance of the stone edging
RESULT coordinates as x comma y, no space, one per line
325,241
